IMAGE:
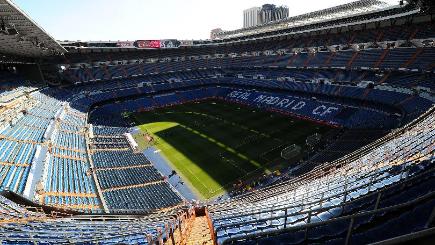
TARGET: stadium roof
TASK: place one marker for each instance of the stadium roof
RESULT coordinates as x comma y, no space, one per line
21,36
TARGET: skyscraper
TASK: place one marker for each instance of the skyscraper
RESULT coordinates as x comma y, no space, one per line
251,17
262,15
270,12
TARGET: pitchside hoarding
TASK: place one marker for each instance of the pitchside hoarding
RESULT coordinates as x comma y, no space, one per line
169,43
155,44
125,44
147,44
186,43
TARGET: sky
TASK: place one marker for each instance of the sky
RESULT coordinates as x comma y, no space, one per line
114,20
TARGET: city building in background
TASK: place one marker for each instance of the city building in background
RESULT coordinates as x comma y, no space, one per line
251,17
270,13
215,32
261,15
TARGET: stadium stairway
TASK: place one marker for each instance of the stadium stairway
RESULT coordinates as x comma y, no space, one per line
196,229
381,59
200,232
385,77
354,56
413,58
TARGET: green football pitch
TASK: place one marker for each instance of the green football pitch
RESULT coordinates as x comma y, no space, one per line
212,144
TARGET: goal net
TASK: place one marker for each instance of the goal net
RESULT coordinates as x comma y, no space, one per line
290,151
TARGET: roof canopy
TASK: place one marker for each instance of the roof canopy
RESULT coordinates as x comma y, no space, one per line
21,36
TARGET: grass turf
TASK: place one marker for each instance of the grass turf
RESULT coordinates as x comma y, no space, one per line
212,144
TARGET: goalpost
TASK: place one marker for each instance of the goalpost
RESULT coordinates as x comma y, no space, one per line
290,151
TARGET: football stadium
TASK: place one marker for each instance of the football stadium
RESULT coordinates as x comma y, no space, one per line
317,128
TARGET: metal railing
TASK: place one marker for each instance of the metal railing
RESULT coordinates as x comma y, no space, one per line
349,218
305,216
310,212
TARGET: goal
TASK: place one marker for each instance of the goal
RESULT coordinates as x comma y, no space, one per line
290,151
